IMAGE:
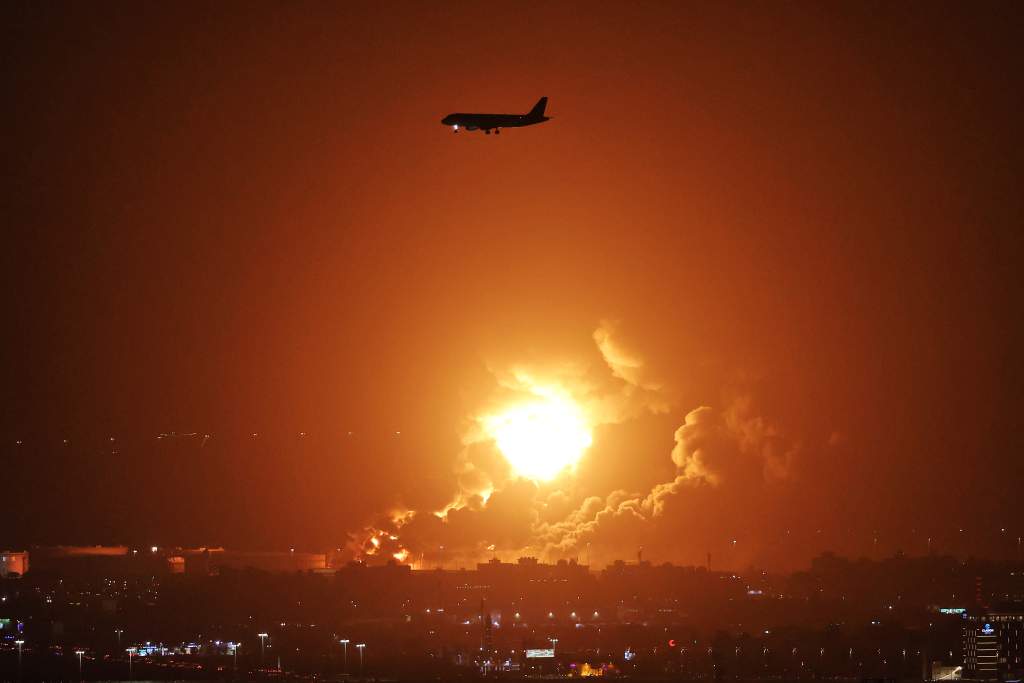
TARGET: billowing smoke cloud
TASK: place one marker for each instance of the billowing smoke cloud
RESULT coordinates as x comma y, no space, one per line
624,363
642,390
712,449
496,513
712,445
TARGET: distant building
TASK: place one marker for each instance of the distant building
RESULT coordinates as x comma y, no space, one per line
994,644
94,561
529,568
59,552
218,558
13,563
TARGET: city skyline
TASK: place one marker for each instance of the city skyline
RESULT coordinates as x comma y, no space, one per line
106,614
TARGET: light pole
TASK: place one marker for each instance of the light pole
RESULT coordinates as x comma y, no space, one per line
234,651
118,632
19,643
263,640
344,644
130,651
361,647
79,653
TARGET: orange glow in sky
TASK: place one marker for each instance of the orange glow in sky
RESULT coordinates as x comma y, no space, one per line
765,257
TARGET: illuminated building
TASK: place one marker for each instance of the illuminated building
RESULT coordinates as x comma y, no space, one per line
993,645
176,564
13,563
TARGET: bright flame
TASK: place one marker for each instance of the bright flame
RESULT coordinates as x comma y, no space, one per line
542,437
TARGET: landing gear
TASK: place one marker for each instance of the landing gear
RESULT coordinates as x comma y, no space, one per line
487,131
497,130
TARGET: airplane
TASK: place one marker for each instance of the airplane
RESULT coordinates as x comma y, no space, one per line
495,122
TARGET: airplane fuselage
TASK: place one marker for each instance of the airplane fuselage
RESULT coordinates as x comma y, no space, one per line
495,122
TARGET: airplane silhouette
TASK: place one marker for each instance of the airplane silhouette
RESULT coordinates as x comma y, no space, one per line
495,122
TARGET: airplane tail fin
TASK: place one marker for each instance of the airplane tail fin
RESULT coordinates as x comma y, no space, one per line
538,109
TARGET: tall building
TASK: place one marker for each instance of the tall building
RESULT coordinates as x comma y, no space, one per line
487,639
994,644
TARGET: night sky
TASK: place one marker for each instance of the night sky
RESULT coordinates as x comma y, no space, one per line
790,231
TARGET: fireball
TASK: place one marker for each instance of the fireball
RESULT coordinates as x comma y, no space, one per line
542,436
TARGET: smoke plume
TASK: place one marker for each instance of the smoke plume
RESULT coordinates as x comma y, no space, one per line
716,454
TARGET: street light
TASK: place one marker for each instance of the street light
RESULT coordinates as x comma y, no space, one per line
344,643
79,653
361,647
234,651
19,643
118,632
263,640
130,651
